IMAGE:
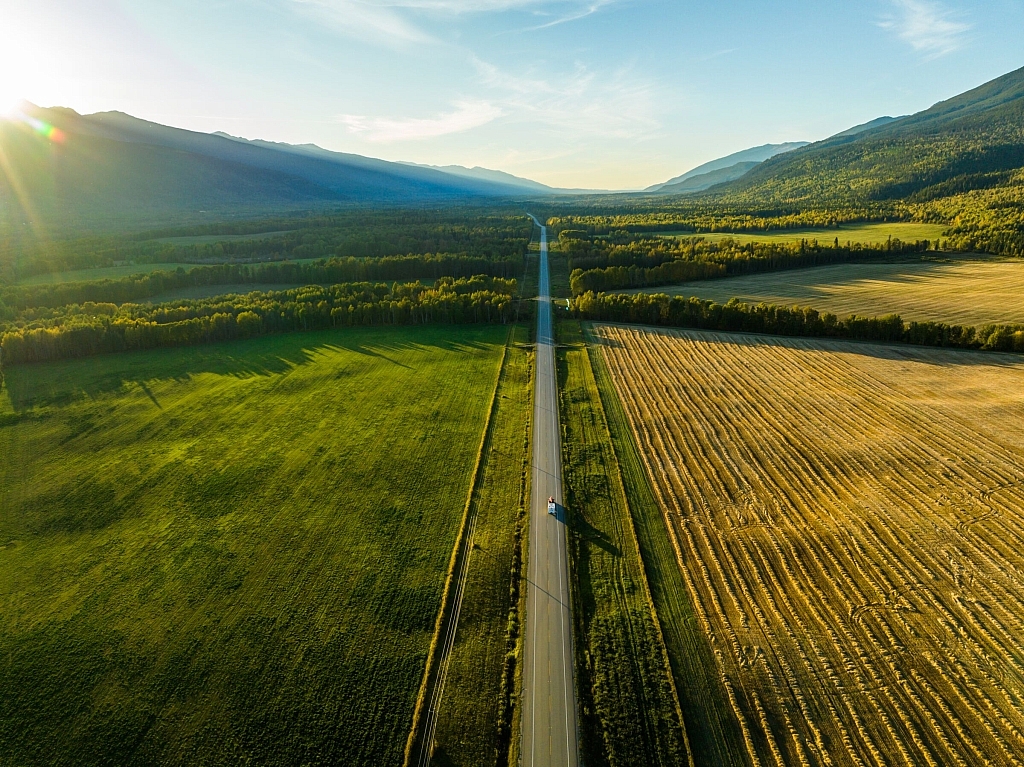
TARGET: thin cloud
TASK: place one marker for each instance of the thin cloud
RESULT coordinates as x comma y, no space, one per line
927,26
364,20
579,103
581,13
397,22
467,115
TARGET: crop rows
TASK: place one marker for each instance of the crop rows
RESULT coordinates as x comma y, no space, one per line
849,522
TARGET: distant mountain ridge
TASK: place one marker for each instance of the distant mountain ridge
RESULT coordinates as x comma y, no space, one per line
501,177
115,168
486,174
707,180
876,123
753,155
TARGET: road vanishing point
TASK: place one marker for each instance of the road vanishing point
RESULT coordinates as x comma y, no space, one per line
550,724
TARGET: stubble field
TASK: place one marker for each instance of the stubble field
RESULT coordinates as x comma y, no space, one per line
962,291
232,554
849,523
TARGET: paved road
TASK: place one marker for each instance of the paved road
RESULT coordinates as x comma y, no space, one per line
550,728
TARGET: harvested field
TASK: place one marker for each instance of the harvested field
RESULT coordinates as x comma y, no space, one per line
849,523
968,292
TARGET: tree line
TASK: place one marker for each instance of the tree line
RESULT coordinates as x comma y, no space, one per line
661,309
138,287
599,265
98,328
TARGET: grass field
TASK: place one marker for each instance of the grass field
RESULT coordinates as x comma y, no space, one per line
467,729
849,522
116,272
865,233
232,553
628,705
969,292
210,239
101,273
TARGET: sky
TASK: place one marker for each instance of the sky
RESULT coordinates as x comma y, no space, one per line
600,94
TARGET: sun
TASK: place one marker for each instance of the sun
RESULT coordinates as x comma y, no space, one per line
11,95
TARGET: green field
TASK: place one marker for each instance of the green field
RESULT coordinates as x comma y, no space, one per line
232,553
629,710
210,239
866,233
970,292
467,729
116,272
102,273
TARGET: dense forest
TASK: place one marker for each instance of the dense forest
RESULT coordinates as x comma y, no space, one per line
81,330
361,233
137,287
660,309
620,261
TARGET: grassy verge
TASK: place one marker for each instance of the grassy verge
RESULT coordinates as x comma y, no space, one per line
712,731
474,725
629,709
235,553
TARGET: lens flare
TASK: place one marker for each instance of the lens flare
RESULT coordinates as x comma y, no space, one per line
52,132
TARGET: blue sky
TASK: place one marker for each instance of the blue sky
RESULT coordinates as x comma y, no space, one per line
578,93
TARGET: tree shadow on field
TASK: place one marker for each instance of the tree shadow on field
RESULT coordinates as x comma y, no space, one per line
928,355
62,382
590,534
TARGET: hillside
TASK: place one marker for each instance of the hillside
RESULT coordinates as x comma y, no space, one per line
970,142
111,168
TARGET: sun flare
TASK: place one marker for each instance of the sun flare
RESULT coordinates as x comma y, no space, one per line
10,98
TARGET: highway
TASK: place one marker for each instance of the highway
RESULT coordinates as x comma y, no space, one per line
550,726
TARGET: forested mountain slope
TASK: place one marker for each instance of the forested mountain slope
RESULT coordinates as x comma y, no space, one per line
969,142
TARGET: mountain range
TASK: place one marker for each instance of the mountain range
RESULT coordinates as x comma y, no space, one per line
65,170
68,170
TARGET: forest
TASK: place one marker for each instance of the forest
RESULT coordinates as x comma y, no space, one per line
490,233
322,272
661,309
80,330
623,261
